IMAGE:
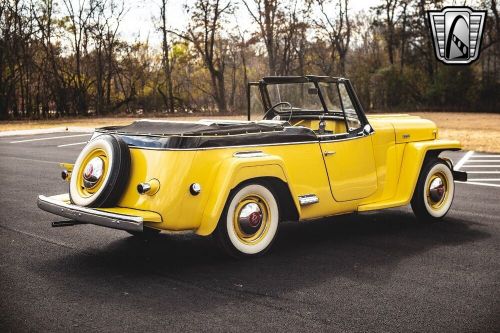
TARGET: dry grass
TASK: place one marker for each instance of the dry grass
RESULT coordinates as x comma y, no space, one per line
90,123
476,131
41,124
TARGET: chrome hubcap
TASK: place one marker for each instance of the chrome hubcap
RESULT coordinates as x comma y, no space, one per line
250,218
93,172
436,190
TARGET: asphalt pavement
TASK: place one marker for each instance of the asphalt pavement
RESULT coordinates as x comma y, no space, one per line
379,271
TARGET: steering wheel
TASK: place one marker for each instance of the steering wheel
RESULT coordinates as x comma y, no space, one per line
272,108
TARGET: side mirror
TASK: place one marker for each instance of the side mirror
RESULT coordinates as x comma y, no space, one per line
367,129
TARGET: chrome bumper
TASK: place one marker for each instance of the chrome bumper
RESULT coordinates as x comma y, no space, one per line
89,215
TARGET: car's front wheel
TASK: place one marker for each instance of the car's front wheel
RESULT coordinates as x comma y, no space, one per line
434,192
249,222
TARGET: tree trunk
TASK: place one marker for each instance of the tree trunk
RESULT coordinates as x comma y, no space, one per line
166,60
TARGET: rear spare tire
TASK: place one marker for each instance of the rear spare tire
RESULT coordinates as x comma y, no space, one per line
101,172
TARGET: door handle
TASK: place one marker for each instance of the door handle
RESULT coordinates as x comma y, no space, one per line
329,153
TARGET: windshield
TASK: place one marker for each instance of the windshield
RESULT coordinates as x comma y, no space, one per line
301,96
330,94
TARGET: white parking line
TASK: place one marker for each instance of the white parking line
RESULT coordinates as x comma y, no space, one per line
469,160
484,179
483,172
486,156
481,184
72,144
52,138
464,159
30,159
481,166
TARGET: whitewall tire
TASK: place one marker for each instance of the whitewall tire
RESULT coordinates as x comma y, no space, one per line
249,223
100,173
433,195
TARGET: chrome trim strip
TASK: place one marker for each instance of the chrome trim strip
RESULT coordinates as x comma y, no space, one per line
250,153
88,215
98,130
344,139
308,199
254,145
227,147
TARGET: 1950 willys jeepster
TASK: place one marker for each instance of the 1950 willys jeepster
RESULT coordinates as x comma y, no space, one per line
311,152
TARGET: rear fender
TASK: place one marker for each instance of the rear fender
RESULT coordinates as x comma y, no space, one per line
233,172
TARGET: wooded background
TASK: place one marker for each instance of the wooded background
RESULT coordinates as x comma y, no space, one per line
61,58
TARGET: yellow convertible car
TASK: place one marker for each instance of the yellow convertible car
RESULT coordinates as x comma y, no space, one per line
307,151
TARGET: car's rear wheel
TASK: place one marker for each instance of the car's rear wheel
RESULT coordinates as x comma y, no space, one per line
249,222
101,172
434,192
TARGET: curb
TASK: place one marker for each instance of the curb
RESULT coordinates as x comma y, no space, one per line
48,131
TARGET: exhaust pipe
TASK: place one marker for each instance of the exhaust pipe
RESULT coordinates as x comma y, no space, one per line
70,223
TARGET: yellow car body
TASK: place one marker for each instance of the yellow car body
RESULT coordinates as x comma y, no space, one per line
376,170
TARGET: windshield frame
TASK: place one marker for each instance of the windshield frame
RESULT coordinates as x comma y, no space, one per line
272,80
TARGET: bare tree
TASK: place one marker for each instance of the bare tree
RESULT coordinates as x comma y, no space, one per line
167,67
266,15
7,76
103,29
67,57
404,25
387,11
421,41
204,34
51,68
338,30
78,28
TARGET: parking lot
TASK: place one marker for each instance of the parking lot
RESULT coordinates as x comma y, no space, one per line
379,271
483,169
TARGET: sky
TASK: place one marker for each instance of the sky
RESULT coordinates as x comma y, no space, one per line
139,21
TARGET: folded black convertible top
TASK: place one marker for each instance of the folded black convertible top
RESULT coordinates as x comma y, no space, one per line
146,127
203,135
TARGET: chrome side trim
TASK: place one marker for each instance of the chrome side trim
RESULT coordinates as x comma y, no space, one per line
257,145
343,139
227,147
188,135
251,153
88,215
308,199
254,145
